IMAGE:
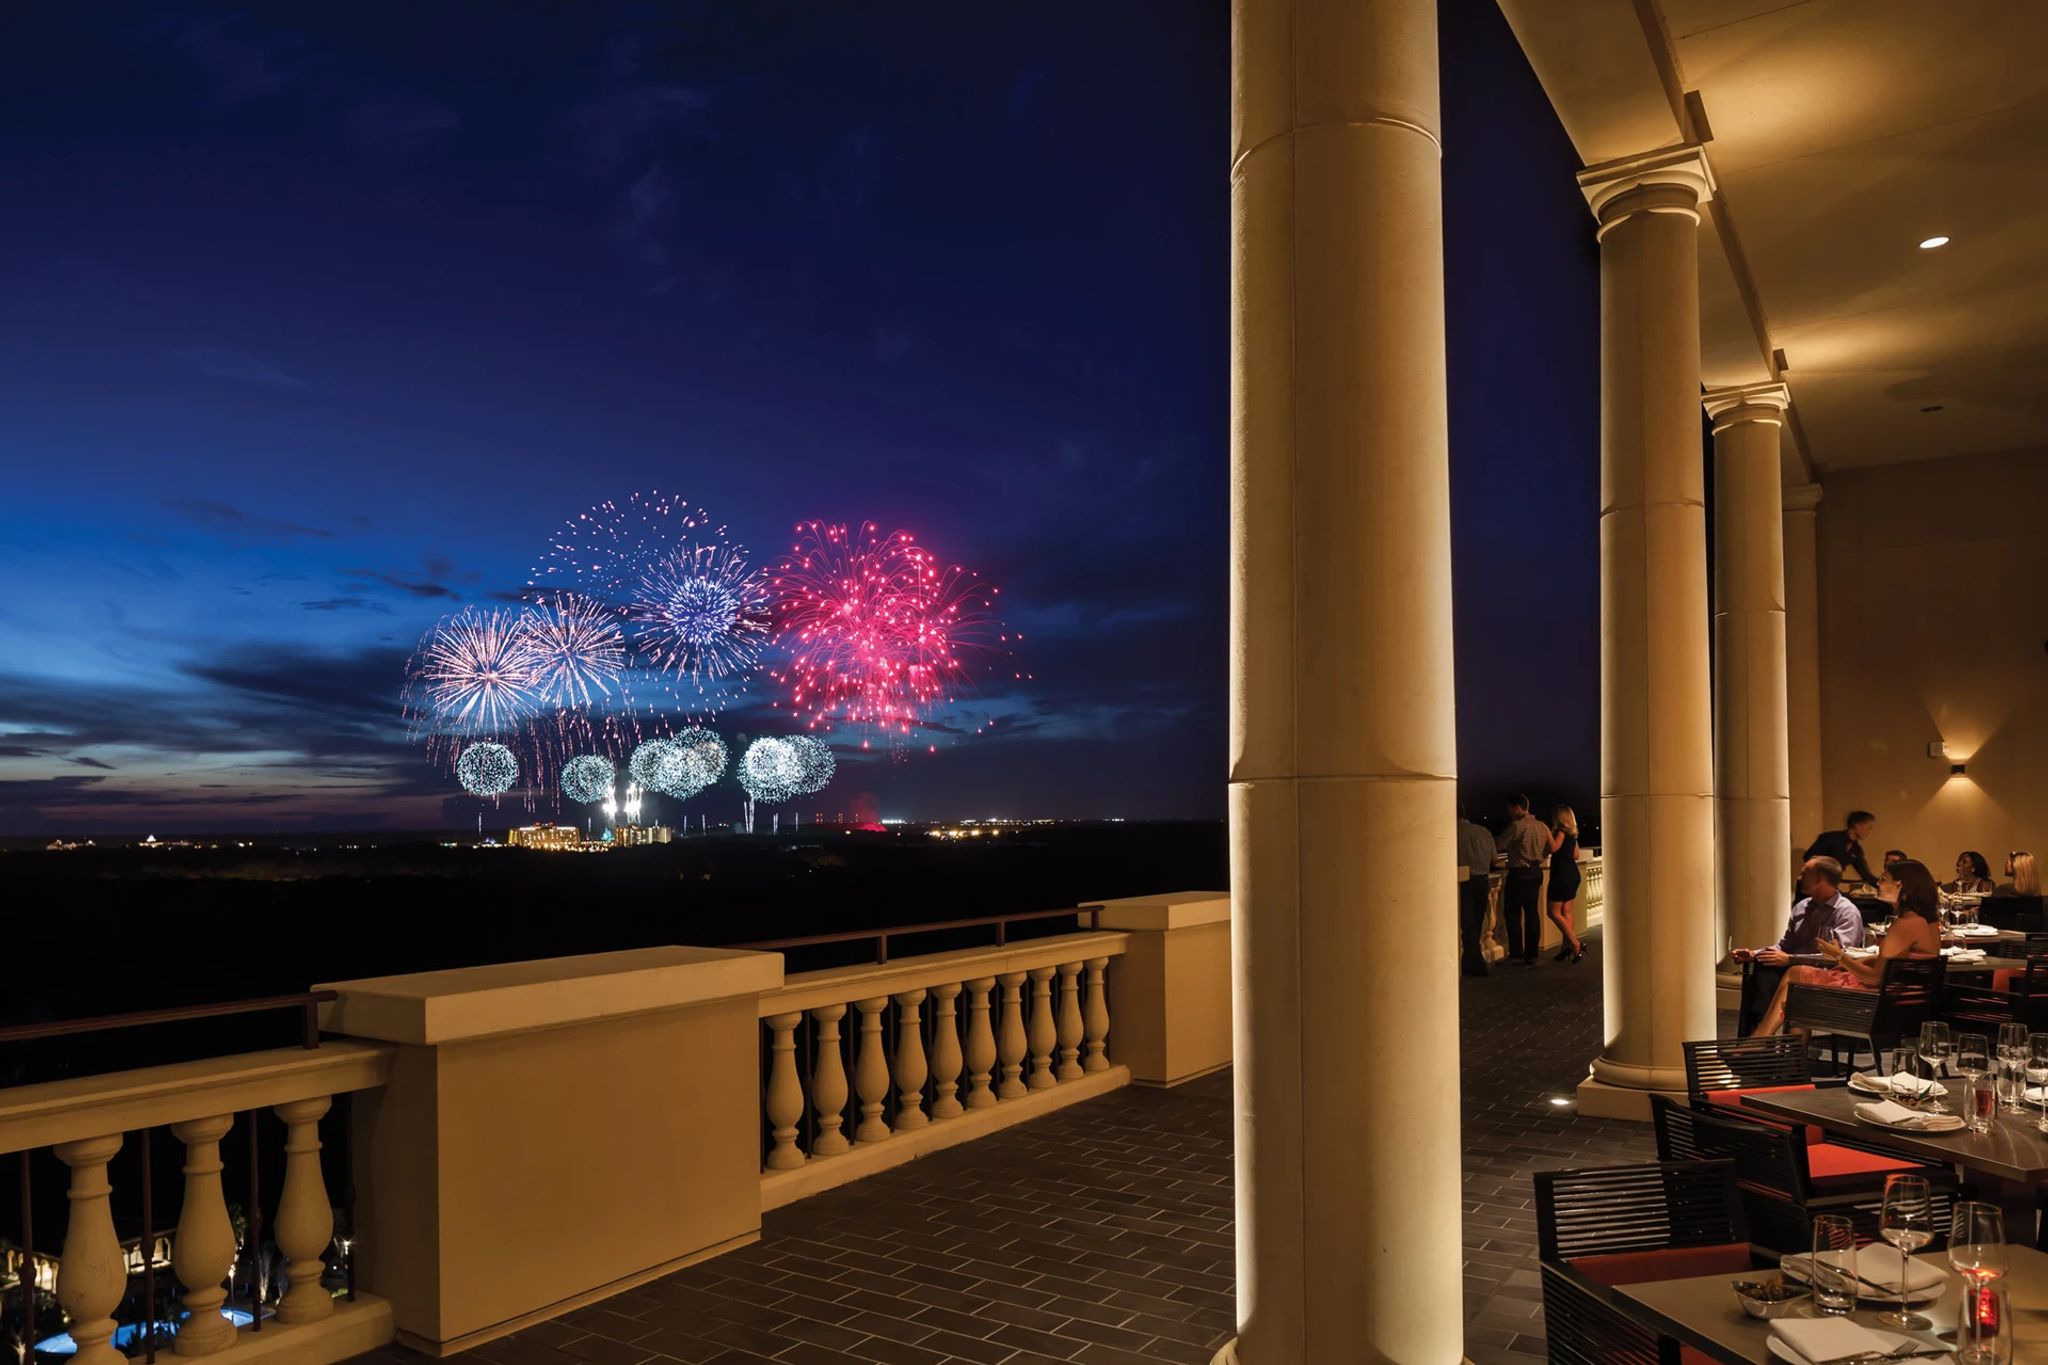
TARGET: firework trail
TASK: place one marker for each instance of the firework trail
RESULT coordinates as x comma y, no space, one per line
875,628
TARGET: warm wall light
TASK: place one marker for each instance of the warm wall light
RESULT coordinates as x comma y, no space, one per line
1955,770
1933,242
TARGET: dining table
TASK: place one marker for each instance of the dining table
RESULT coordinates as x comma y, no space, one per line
2008,1163
1702,1312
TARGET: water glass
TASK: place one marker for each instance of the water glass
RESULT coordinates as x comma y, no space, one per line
1907,1222
1831,1274
1980,1102
1985,1336
2037,1076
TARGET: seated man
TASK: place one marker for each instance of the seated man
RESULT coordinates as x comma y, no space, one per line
1822,912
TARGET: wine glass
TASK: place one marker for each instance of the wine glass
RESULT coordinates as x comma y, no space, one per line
1973,1054
2012,1060
1937,1044
2037,1076
1907,1222
1976,1252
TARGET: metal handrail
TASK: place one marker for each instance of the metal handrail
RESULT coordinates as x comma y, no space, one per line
308,1001
882,936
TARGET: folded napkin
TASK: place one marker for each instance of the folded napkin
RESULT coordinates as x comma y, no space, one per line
1860,952
1898,1083
1879,1265
1963,954
1821,1340
1892,1114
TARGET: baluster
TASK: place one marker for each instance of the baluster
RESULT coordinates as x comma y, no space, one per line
1070,1021
1095,1019
871,1071
204,1253
305,1220
910,1064
945,1052
828,1083
92,1274
785,1092
1010,1041
1043,1034
981,1044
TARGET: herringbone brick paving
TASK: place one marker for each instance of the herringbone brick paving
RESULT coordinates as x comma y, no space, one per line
1100,1235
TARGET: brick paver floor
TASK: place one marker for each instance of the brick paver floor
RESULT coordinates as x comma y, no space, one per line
1102,1234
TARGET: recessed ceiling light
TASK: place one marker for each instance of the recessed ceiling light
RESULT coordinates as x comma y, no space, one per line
1933,242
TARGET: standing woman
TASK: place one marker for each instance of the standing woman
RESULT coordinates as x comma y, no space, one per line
1564,881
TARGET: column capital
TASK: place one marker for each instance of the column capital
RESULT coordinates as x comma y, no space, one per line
1803,497
1761,403
1669,180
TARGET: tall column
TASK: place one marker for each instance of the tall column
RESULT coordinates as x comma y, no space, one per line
1802,664
1342,760
1656,719
1752,792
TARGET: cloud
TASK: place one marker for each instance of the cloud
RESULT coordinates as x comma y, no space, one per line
415,587
345,604
222,363
84,762
614,128
19,751
398,125
229,520
241,65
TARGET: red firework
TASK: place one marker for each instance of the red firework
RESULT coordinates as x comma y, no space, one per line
874,627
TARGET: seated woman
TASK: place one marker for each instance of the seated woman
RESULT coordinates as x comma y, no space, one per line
1973,875
1908,888
2025,874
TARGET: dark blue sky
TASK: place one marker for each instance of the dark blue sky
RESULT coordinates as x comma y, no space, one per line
319,319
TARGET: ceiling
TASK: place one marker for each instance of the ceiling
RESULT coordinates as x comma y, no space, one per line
1841,133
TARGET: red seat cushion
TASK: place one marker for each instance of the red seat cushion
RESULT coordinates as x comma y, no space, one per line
1665,1263
2004,978
1829,1161
1732,1099
1688,1356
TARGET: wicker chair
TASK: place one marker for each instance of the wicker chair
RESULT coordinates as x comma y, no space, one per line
1906,997
1625,1225
1783,1180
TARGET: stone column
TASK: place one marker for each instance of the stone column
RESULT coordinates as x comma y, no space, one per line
1656,721
1802,664
1752,794
1342,760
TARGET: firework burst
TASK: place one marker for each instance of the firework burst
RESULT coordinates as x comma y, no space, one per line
475,673
486,769
814,762
771,771
587,778
574,649
701,614
875,628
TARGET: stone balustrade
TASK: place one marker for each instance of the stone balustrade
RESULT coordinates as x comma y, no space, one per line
868,1066
86,1122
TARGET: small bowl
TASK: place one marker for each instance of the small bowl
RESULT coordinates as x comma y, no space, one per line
1767,1300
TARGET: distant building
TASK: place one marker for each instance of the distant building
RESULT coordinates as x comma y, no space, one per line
554,838
632,836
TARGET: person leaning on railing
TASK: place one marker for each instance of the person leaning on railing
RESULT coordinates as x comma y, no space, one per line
1909,889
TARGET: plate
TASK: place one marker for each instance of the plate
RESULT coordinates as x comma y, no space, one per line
1792,1357
1935,1125
1862,1083
1793,1267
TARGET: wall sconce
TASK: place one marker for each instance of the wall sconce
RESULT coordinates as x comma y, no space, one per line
1955,770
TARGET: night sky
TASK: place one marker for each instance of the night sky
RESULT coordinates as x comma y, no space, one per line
318,320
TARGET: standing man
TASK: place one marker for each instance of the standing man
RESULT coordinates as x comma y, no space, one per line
1845,845
1526,842
1475,883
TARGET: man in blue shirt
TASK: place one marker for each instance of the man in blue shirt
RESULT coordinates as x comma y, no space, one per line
1823,912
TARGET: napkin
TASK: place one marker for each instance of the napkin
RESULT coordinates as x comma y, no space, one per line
1892,1114
1860,952
1963,954
1898,1083
1821,1340
1879,1265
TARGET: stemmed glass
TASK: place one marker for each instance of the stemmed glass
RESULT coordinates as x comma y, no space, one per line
1980,1096
2012,1061
1936,1043
2037,1076
1907,1222
1976,1252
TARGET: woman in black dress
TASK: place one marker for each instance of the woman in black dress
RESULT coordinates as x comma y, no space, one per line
1564,881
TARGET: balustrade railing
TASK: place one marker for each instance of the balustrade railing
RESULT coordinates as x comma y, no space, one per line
855,1057
86,1122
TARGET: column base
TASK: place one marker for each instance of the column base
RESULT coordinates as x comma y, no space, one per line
1727,990
1599,1100
1227,1355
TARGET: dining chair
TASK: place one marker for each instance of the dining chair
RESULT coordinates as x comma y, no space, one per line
1783,1179
1619,1225
1905,998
